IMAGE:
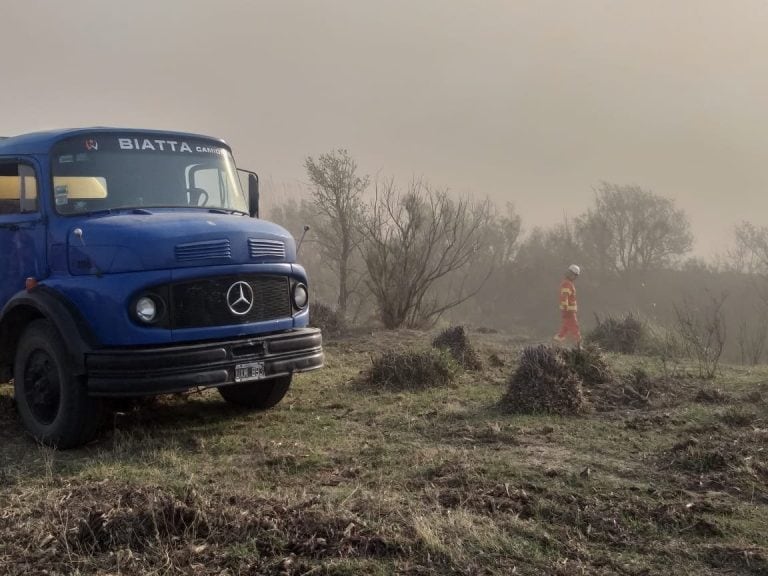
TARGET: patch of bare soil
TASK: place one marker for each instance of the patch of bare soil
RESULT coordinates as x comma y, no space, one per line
750,560
712,396
732,460
652,421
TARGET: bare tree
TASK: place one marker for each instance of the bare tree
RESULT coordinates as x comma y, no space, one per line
752,340
633,229
548,250
702,329
503,236
497,256
750,254
413,240
337,203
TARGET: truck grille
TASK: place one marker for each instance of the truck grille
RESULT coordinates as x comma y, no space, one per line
204,302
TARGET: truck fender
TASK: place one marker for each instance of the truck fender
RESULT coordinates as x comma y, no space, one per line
43,302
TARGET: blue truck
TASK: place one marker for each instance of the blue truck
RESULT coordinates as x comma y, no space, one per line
134,263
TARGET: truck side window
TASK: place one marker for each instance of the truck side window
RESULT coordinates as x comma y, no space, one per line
18,188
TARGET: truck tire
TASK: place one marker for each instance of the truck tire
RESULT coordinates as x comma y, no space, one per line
52,401
259,395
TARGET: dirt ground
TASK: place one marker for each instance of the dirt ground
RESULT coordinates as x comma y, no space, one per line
663,474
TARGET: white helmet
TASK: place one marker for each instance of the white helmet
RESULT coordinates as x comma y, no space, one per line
574,269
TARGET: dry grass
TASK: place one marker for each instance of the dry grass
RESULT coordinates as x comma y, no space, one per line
434,480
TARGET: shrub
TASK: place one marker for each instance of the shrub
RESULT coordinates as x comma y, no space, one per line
413,370
624,335
703,330
455,340
544,382
327,319
665,344
736,417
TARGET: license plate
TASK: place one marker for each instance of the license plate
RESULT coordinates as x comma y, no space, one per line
249,371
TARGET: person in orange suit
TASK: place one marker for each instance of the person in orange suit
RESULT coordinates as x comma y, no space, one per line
569,326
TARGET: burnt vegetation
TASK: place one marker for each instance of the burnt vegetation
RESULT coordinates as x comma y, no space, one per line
555,461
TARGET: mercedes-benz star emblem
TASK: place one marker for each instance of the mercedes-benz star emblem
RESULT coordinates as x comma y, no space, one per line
240,298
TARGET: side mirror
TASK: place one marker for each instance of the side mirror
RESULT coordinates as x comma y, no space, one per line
253,195
301,240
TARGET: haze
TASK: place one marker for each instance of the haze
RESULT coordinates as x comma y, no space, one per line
529,102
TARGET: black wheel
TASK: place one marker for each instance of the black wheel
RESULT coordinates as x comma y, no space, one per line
52,401
260,395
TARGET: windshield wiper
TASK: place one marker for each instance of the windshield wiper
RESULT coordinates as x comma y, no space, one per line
225,211
101,212
113,210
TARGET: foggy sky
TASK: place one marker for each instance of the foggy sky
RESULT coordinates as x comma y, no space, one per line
531,102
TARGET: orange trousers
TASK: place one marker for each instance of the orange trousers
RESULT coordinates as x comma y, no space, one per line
569,327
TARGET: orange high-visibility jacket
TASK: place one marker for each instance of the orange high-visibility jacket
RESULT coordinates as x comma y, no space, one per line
567,296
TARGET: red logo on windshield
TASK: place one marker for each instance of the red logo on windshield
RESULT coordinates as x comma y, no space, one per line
91,144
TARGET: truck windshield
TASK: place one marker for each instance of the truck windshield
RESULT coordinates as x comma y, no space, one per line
108,171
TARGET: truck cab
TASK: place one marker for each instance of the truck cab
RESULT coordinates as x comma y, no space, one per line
133,263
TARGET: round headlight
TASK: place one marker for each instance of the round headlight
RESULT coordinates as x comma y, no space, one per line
300,296
146,309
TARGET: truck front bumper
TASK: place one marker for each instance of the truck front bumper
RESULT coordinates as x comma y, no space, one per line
176,368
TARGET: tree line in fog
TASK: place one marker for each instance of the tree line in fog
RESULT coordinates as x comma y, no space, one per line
408,254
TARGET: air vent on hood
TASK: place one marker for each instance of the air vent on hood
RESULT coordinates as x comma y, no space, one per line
203,250
266,249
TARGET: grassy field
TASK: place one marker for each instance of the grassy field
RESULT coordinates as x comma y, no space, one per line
342,478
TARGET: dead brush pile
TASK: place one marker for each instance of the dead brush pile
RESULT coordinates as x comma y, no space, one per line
412,370
607,391
589,363
566,381
544,382
456,341
635,389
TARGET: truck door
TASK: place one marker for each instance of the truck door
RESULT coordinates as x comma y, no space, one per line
22,232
